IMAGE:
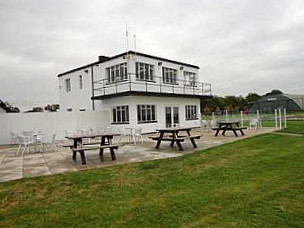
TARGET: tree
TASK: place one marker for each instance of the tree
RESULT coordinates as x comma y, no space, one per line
52,107
274,92
252,97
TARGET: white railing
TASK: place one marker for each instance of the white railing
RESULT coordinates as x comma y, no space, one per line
157,85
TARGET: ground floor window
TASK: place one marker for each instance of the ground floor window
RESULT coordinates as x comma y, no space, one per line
146,113
120,114
191,112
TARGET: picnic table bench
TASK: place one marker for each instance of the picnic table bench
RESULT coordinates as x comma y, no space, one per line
174,136
229,126
80,147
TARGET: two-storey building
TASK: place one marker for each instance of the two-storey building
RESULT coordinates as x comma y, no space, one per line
138,90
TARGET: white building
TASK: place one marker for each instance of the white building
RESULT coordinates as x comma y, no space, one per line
138,90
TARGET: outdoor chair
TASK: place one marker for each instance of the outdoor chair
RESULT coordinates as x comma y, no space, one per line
37,139
24,143
123,132
204,125
255,123
137,135
14,138
213,123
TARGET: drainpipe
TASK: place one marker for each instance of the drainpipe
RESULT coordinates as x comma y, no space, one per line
92,78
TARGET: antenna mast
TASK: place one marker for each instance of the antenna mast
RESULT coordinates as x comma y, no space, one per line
127,37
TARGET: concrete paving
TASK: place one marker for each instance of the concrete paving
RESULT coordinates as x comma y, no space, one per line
53,162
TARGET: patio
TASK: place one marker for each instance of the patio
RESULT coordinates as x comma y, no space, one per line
54,162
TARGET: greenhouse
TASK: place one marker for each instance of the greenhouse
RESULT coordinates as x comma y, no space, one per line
270,102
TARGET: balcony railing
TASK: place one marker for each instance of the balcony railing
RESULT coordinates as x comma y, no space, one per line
130,83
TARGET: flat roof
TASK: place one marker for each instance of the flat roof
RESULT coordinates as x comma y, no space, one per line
126,53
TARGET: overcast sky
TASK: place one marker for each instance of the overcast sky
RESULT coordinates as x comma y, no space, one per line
241,46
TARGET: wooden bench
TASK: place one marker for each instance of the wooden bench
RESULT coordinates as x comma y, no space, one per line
166,138
81,150
234,129
178,139
84,144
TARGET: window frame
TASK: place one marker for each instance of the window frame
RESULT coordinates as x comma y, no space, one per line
146,113
188,78
116,73
191,112
80,80
67,83
120,114
169,76
144,71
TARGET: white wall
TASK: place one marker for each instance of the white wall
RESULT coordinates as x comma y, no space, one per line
81,98
49,123
77,98
161,103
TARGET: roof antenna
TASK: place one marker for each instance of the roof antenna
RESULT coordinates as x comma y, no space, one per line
134,39
127,37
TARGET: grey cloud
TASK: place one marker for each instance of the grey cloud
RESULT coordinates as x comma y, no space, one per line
241,46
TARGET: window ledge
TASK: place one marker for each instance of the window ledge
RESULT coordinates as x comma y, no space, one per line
143,80
191,119
144,122
120,123
168,83
111,83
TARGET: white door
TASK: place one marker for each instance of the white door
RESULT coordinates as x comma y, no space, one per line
172,116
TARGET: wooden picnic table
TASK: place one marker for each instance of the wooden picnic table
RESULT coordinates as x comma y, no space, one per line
173,135
233,125
104,143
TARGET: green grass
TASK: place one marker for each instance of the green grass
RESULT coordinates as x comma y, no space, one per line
255,182
295,127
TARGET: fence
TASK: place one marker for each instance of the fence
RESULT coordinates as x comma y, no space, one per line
278,119
49,123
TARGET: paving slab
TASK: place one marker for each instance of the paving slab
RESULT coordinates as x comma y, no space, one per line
52,162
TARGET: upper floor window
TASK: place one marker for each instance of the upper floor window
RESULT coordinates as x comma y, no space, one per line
146,113
169,75
68,85
80,82
120,114
117,73
190,78
144,71
191,112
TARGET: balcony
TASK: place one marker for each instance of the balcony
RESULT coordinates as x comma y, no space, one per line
129,85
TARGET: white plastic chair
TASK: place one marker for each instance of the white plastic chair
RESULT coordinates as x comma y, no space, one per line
204,125
53,142
255,123
213,123
37,139
25,142
14,138
137,135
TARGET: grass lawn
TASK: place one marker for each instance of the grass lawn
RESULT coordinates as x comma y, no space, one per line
295,127
253,182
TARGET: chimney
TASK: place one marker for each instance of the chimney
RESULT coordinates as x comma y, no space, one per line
102,58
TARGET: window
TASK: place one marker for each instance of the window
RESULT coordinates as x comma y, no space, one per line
169,75
120,115
144,71
80,82
117,73
191,112
146,113
190,78
68,85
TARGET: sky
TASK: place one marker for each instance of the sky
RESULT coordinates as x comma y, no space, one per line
241,46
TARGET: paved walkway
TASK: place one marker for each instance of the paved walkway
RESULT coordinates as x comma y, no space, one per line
53,162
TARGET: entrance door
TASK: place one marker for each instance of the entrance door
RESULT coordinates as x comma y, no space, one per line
172,116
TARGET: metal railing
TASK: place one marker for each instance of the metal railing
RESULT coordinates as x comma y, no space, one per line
132,83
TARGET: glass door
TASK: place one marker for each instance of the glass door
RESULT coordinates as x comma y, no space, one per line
172,116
